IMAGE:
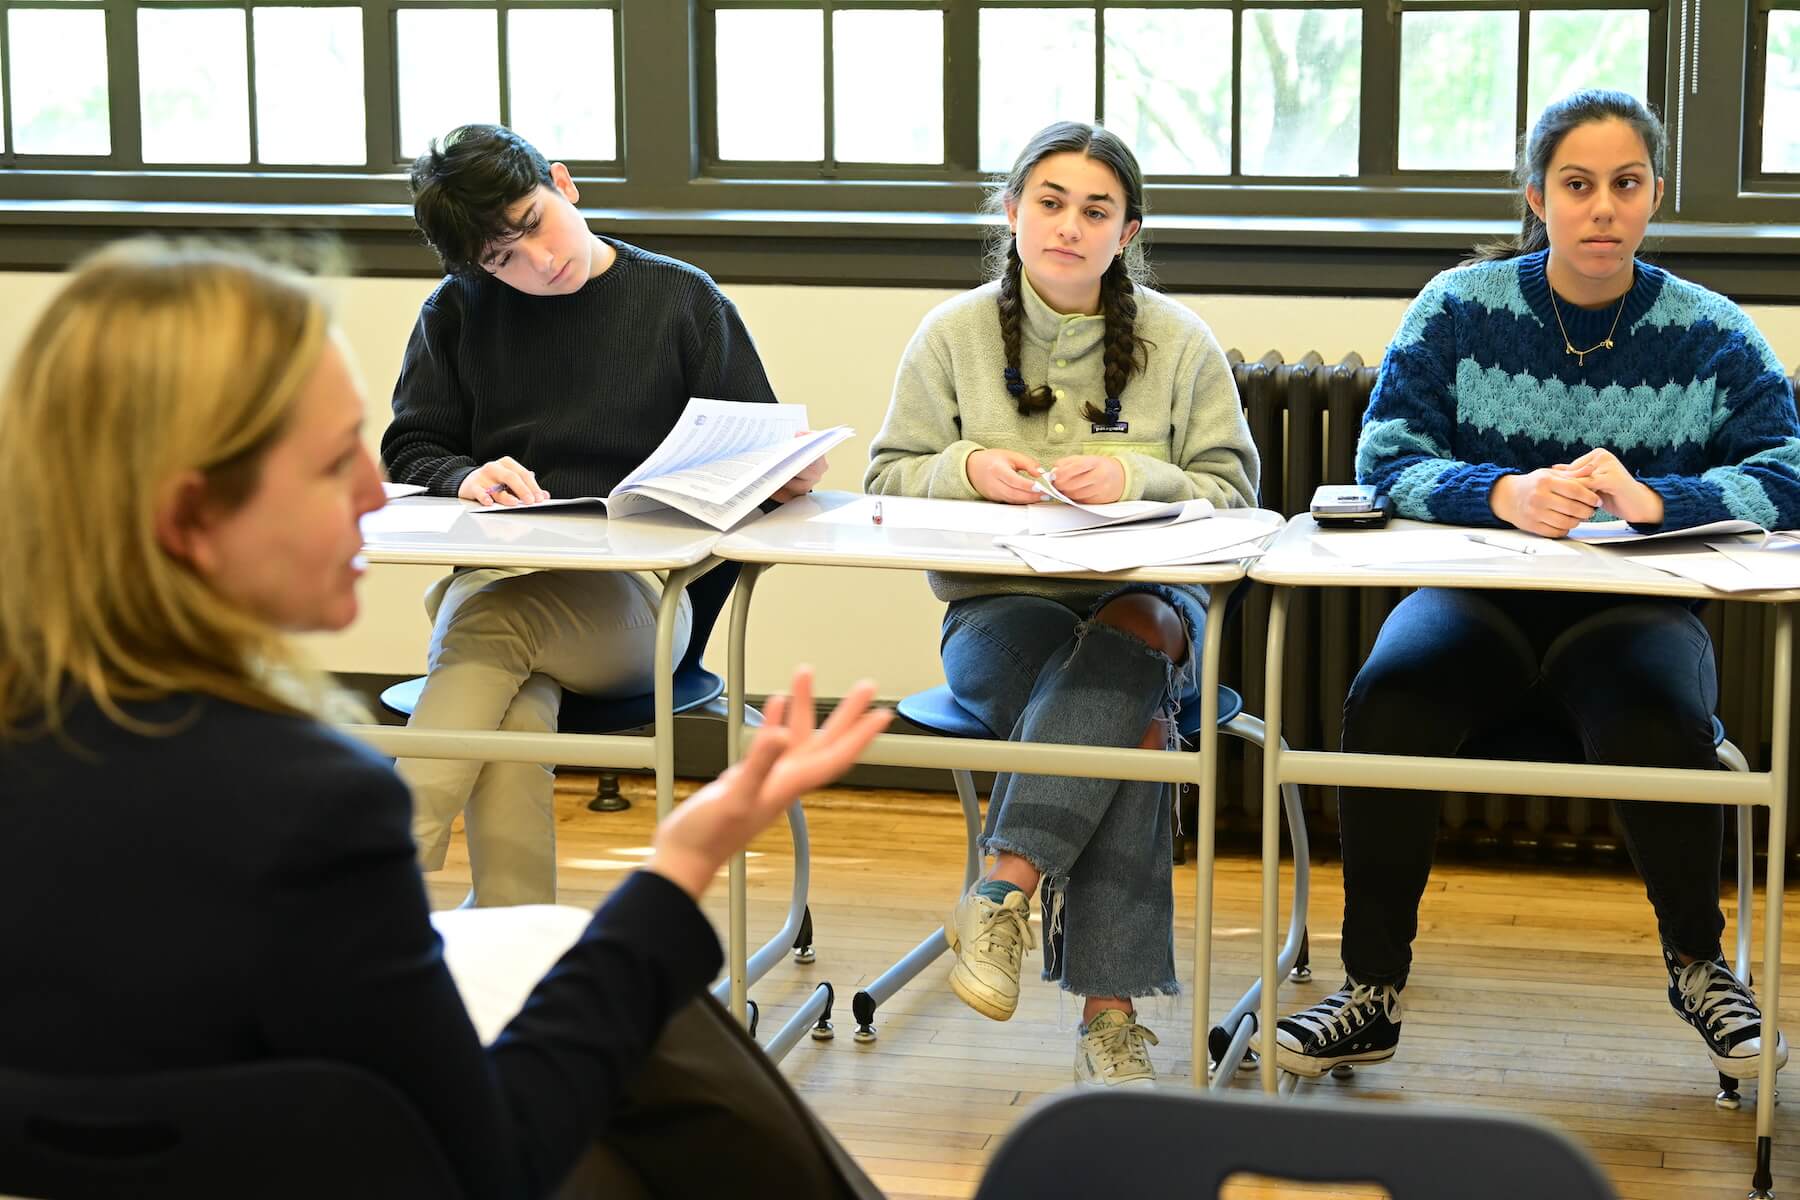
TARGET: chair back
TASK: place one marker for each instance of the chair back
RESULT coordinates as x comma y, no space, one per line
1164,1144
298,1129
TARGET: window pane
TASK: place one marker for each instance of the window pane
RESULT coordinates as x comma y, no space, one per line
888,86
1037,66
1593,49
1781,94
771,84
566,114
1302,96
56,62
1459,78
1168,88
449,73
193,85
309,85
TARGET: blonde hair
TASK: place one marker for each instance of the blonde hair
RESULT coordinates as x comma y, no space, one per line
155,360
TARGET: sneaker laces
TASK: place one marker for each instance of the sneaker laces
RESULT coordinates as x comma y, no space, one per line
1121,1045
1003,928
1341,1013
1713,993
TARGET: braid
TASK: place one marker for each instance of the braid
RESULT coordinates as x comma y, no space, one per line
1034,400
1126,352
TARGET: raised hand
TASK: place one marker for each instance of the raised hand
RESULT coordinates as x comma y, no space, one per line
788,758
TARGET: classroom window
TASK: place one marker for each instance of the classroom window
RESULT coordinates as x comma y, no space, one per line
1317,108
58,102
1241,89
1779,143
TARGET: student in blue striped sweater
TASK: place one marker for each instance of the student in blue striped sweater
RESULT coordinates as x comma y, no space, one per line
1554,380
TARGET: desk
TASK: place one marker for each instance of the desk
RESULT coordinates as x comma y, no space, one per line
790,535
1296,559
561,542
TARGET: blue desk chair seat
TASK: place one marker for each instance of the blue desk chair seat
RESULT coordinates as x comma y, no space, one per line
278,1130
1228,1043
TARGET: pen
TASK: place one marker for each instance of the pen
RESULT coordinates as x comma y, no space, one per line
1500,545
875,516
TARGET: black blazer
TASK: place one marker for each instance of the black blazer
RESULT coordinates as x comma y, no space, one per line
241,885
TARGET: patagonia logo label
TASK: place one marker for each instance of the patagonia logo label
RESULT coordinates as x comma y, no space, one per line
1112,426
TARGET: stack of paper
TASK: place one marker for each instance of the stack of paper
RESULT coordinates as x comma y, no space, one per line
1219,538
1734,567
1616,533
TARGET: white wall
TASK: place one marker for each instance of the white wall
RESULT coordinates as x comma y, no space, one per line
834,350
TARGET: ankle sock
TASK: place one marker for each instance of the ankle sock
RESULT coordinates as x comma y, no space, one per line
996,890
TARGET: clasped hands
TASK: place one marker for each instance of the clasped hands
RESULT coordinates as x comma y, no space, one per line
1551,501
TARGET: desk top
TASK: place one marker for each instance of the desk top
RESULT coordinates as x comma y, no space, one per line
1295,558
584,540
789,535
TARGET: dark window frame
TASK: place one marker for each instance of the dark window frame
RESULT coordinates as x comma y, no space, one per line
1381,235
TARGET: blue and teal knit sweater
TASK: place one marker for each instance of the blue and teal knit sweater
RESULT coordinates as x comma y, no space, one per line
1476,385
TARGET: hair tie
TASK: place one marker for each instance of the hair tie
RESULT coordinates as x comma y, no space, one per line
1113,408
1015,382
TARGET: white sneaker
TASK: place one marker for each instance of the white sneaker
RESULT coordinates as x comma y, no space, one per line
1112,1053
989,941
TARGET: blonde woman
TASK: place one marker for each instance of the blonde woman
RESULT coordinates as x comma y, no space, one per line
220,877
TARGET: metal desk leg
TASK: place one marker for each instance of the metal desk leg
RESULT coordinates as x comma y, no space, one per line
664,729
737,941
1763,1182
1271,832
1205,821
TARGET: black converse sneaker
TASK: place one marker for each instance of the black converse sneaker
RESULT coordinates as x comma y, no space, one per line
1355,1024
1709,997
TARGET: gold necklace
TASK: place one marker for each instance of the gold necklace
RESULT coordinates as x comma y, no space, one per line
1605,343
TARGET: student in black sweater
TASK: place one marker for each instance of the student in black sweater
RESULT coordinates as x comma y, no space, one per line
549,361
216,876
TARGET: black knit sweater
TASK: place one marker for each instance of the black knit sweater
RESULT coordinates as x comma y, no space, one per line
579,389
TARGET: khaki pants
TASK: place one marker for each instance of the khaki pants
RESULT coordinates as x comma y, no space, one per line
504,645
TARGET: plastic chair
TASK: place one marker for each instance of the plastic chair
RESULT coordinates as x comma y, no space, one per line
277,1130
1228,1042
1190,1143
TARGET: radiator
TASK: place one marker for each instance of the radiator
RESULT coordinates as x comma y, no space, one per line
1305,417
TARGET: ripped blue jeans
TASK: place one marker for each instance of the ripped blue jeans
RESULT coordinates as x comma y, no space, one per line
1034,670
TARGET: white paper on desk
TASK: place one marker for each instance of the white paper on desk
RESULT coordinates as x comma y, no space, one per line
1396,547
1770,568
1073,516
1078,520
497,955
1705,567
395,491
433,517
1121,548
913,512
1610,533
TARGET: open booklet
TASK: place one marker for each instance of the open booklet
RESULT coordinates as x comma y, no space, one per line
721,460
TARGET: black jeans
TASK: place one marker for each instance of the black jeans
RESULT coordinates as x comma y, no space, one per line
1632,679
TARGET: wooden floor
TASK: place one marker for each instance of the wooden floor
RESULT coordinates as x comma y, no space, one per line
1536,991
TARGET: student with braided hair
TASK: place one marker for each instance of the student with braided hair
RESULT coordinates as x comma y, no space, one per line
1066,364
